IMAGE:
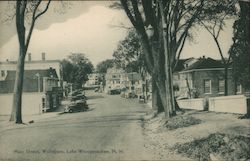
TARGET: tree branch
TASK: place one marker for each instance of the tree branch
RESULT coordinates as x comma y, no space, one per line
179,52
34,18
129,14
45,10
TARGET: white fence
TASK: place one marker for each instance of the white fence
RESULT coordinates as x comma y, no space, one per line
231,104
31,103
195,104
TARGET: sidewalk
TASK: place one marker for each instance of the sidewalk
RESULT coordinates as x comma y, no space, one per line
5,124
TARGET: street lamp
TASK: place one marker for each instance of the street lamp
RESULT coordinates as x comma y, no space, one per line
150,31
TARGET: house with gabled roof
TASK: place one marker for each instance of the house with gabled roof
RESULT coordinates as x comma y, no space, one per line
205,78
34,80
40,84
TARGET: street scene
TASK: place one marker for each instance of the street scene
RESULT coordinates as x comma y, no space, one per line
125,80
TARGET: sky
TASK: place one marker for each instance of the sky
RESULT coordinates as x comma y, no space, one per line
86,27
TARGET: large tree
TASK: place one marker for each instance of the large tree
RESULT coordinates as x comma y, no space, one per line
241,45
214,24
170,23
128,54
104,65
76,69
130,57
27,13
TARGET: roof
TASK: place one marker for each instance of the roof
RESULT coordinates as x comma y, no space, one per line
181,64
205,63
33,74
33,61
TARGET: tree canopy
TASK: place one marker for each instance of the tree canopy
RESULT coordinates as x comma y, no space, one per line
241,45
163,27
128,54
76,69
104,65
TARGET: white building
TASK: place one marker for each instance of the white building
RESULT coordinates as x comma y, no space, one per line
33,65
93,79
113,78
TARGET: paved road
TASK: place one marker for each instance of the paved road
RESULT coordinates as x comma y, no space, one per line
111,130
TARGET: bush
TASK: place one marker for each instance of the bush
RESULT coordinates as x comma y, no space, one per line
181,121
229,147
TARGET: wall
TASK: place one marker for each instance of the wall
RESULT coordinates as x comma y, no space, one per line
31,104
214,76
195,104
196,82
29,85
231,104
34,65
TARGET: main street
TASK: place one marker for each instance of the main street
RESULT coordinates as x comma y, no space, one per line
110,130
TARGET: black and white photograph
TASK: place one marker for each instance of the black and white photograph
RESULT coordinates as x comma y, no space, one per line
125,80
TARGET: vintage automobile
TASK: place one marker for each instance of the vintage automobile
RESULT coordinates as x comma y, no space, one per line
114,91
96,90
78,97
130,94
77,106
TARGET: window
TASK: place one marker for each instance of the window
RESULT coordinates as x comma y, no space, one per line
221,86
207,86
238,88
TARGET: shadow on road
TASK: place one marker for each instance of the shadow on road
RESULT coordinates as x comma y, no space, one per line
95,97
90,109
104,121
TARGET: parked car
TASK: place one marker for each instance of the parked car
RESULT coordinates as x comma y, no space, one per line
76,106
76,92
114,91
141,98
96,89
78,97
130,95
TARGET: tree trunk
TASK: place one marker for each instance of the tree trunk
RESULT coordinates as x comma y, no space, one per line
169,92
226,80
154,95
156,100
163,95
16,114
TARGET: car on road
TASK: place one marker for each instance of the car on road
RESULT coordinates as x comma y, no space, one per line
96,90
76,106
114,91
78,97
130,94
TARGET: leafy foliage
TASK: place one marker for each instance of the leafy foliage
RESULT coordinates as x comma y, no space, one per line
76,68
181,121
229,147
241,46
128,54
104,65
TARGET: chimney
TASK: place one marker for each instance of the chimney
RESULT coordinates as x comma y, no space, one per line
29,56
43,56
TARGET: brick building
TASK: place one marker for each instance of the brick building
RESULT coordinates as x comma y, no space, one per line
205,78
